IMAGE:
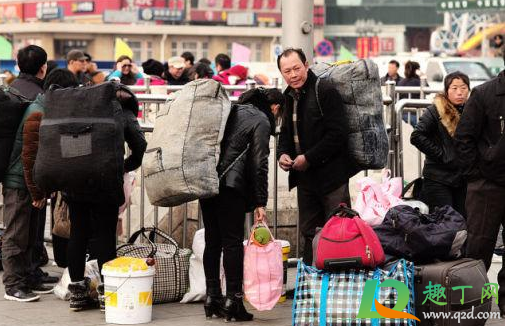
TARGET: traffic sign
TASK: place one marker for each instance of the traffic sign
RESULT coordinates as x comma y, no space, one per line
324,48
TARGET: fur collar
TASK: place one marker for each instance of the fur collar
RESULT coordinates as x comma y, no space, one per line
448,113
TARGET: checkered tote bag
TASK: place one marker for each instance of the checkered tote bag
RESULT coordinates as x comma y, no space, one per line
171,281
327,299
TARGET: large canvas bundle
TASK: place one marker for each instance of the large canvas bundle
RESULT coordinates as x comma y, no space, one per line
81,145
359,85
183,152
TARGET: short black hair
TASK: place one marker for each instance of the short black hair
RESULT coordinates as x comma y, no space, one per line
153,67
205,60
188,56
30,59
455,75
88,56
288,52
61,77
202,70
394,62
223,60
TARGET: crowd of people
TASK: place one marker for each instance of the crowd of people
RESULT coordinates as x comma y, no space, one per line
461,136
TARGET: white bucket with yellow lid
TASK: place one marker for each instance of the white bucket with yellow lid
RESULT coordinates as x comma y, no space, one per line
128,284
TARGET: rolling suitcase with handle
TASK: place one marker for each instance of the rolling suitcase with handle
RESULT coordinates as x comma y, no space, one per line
450,274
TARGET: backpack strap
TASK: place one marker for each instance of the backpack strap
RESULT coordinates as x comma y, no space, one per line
317,96
13,91
234,162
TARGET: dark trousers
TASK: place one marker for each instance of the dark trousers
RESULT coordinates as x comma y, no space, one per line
20,221
485,205
224,217
39,250
315,209
91,220
436,194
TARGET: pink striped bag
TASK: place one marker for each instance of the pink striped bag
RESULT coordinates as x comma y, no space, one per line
263,272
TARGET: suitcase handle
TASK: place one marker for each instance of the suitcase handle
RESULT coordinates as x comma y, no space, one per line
344,263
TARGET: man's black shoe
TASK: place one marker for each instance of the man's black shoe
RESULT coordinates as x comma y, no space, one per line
49,279
42,289
20,295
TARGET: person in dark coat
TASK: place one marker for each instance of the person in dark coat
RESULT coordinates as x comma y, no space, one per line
392,74
95,215
243,171
481,151
24,222
313,145
443,183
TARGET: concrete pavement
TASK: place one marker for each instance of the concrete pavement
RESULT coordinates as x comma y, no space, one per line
52,311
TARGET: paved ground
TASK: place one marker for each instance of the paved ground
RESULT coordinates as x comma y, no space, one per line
52,311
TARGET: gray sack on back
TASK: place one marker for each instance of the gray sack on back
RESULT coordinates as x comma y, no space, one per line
359,85
183,152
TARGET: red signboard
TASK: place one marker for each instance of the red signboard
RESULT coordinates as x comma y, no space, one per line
387,45
366,47
70,8
11,13
375,46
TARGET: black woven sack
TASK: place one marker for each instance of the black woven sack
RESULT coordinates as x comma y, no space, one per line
81,141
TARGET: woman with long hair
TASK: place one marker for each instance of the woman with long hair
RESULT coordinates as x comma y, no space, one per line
243,171
126,71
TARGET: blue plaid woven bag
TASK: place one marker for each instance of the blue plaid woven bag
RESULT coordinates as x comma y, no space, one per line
327,299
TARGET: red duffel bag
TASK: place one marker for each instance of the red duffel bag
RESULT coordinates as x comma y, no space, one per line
346,241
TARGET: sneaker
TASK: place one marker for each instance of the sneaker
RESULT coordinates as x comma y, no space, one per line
101,296
20,295
42,289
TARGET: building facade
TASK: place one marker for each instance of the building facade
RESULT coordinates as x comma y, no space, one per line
153,28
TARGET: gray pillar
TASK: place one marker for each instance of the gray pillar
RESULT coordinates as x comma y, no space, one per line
297,26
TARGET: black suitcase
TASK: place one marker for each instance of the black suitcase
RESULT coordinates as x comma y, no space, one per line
449,274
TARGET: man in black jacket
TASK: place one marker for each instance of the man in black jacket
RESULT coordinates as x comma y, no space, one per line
481,149
313,144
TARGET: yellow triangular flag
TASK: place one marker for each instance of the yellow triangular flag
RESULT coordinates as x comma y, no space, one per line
122,48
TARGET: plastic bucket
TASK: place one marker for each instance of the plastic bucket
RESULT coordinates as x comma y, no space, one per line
128,295
286,249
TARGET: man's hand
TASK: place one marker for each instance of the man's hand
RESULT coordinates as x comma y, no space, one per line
260,215
285,162
39,203
300,163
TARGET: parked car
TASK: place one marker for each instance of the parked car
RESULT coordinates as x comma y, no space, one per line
438,68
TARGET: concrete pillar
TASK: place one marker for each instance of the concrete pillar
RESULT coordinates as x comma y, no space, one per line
297,26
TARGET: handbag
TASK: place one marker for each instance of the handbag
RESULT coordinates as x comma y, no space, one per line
263,272
330,299
171,280
375,199
61,225
346,241
408,233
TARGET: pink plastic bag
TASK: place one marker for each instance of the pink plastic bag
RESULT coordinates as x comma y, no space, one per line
375,199
263,273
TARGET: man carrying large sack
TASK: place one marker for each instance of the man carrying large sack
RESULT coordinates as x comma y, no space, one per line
313,144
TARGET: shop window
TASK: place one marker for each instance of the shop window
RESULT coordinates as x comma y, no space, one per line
62,47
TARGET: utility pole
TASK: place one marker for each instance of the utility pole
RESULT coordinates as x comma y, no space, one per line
297,26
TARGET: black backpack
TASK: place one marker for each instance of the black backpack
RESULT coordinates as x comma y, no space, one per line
81,142
13,106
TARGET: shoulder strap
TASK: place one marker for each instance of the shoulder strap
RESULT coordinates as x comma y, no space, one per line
234,161
13,91
317,96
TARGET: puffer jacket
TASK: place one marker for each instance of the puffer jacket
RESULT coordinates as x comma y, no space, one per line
14,177
243,163
433,136
480,134
28,85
